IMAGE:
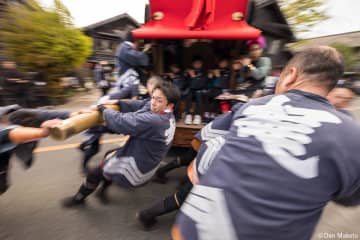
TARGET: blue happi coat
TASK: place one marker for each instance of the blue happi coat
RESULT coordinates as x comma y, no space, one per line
284,158
150,134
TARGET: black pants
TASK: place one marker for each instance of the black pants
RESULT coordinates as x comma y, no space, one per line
170,203
212,105
93,180
4,161
4,167
199,100
105,90
181,161
182,192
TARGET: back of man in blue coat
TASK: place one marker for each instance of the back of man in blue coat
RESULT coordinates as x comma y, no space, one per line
278,168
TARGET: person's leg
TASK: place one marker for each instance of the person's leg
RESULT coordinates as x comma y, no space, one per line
94,178
188,104
189,98
207,97
91,146
104,91
101,193
180,161
199,106
199,101
215,104
4,167
147,217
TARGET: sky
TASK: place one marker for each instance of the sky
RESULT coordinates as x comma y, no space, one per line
344,14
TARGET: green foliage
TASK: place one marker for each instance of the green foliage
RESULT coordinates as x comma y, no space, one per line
349,54
303,14
44,39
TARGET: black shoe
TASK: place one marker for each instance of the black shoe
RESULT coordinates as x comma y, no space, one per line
82,146
146,221
160,178
4,186
102,197
71,202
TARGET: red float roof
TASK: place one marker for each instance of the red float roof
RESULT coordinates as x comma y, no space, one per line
209,19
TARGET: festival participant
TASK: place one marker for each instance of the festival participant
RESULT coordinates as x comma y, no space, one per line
151,130
278,168
20,130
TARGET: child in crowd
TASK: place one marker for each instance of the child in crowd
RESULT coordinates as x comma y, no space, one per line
218,83
197,79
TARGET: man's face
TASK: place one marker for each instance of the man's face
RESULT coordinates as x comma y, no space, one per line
159,103
174,69
340,97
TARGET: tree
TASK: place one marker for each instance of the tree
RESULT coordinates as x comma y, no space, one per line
349,54
44,40
303,14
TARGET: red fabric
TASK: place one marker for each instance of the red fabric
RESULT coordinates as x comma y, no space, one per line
209,19
224,106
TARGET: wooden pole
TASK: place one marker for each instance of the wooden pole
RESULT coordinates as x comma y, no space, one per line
79,123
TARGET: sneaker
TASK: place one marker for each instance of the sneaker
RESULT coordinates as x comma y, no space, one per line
197,120
146,221
188,119
71,202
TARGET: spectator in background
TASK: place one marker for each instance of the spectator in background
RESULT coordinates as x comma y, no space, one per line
254,68
218,83
14,85
100,78
177,78
128,58
197,79
1,84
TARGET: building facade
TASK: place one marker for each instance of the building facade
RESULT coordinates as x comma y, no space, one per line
107,35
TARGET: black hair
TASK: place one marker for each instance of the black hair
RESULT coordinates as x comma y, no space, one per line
321,64
129,37
170,91
196,58
345,84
